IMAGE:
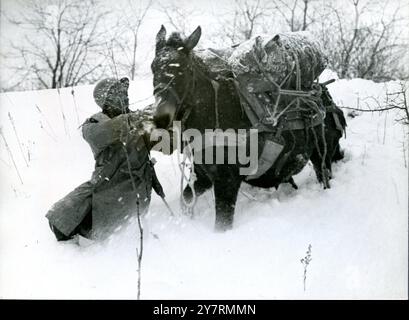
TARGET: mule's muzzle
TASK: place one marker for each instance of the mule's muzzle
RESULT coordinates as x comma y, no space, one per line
165,113
162,121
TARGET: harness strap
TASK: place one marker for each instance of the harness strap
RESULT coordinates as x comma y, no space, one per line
337,122
216,86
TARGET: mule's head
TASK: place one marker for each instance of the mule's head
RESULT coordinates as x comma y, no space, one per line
172,75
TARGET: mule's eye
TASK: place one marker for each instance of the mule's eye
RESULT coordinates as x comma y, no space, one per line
175,65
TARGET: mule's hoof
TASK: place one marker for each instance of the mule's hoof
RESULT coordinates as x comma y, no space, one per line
340,155
222,227
293,184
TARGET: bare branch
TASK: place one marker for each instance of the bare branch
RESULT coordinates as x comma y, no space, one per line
62,39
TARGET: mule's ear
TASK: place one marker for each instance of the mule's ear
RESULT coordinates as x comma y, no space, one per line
193,39
161,38
272,43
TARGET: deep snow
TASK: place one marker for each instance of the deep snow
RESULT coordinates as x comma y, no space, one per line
358,229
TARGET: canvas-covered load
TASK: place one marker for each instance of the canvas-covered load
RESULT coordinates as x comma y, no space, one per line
278,56
216,61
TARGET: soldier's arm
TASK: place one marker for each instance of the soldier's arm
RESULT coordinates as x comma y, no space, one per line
101,131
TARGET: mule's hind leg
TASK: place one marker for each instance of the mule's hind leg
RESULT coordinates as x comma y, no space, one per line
226,188
320,157
338,154
316,162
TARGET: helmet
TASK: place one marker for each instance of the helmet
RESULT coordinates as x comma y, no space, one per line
103,89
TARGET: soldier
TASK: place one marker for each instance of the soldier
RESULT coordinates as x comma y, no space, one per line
123,178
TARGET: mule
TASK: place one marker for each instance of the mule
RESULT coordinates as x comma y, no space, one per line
184,91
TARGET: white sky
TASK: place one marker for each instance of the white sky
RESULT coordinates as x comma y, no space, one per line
207,13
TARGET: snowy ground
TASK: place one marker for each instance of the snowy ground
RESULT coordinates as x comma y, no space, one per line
357,229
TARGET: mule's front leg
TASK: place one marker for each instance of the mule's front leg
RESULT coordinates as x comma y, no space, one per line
226,188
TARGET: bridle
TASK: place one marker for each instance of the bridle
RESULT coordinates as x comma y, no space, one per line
189,88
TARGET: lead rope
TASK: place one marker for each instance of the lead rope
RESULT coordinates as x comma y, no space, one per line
187,206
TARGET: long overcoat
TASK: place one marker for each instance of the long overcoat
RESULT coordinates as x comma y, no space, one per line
123,174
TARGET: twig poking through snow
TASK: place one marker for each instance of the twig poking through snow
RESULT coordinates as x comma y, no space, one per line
53,136
75,106
139,252
11,155
364,155
125,137
48,134
17,137
384,128
62,113
305,262
396,190
404,144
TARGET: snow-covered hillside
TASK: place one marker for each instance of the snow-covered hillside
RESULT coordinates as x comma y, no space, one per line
357,229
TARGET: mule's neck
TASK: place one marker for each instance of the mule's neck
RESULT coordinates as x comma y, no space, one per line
214,103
